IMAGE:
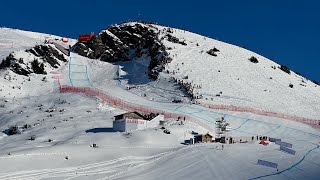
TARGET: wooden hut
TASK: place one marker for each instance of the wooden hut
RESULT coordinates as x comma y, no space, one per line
203,138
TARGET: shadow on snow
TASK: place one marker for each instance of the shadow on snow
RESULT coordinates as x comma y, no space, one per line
100,130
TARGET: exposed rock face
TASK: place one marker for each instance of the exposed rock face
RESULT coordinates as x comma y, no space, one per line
14,64
285,69
43,53
82,49
126,42
48,54
212,52
175,39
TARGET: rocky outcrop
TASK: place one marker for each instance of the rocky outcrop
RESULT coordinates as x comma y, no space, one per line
43,54
15,65
285,69
126,42
82,49
213,51
175,39
253,59
48,54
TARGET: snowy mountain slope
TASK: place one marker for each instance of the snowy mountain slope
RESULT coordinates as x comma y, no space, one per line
148,154
227,77
241,82
14,39
28,62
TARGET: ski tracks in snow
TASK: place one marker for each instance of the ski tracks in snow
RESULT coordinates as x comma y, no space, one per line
106,169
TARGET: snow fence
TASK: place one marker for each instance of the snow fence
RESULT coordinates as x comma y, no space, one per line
312,122
103,96
88,91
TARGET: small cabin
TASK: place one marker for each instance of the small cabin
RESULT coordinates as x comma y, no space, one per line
203,138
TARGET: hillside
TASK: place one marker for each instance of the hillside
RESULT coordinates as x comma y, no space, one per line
149,68
224,76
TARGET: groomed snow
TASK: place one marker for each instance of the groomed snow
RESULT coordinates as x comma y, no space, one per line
152,154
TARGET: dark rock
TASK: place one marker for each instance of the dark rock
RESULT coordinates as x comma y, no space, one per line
45,52
285,69
253,59
124,43
211,52
12,63
7,62
97,47
314,81
37,67
81,49
12,130
48,54
32,138
215,49
175,40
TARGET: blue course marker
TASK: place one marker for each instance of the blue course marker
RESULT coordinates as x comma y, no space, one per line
241,124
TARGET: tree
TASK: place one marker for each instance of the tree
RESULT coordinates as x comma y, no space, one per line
37,67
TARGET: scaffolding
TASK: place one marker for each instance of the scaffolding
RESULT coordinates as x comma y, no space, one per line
221,130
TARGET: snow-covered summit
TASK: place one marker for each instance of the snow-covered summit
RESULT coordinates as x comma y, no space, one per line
211,71
56,131
230,77
15,39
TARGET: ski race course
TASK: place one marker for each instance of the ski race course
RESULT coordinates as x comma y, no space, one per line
266,124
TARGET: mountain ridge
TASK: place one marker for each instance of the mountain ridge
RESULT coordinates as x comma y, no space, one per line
227,75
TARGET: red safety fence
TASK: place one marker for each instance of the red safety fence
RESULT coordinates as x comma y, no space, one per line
55,72
88,91
309,121
103,96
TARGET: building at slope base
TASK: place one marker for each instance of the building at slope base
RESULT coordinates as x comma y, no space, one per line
134,121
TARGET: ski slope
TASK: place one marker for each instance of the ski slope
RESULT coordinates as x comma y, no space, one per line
241,82
79,121
243,124
15,39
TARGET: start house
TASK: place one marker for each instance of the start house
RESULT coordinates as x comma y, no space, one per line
134,121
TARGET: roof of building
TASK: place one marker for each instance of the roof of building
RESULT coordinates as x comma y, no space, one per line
203,135
134,115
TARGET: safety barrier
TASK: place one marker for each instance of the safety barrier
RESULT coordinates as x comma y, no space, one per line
284,144
103,96
274,139
312,122
88,91
287,150
267,163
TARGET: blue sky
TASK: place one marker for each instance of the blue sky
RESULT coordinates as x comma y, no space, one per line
286,31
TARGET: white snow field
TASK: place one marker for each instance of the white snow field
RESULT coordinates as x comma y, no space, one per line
15,39
73,122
